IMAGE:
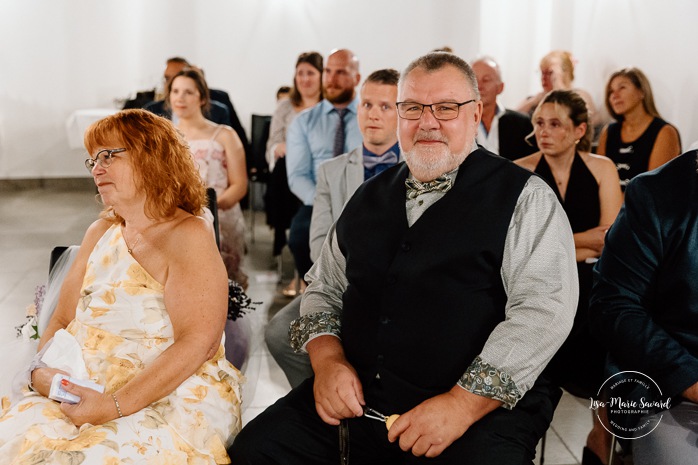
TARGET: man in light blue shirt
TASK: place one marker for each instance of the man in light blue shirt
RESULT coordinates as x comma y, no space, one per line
310,140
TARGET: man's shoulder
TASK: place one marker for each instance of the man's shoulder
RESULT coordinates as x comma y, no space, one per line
515,116
491,157
317,111
217,104
154,105
341,161
218,95
676,177
307,119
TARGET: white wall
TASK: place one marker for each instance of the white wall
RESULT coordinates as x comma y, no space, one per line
62,55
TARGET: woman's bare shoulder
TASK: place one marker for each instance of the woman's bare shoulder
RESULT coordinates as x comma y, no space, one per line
188,231
96,230
530,161
601,167
600,162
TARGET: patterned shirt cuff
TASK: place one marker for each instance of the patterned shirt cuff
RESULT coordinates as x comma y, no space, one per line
486,380
304,328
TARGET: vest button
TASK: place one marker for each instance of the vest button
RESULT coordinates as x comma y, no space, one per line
406,246
385,320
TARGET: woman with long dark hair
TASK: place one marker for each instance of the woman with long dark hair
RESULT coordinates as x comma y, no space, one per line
305,93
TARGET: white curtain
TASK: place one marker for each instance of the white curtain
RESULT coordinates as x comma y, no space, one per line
62,55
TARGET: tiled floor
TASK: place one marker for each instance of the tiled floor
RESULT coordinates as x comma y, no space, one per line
32,222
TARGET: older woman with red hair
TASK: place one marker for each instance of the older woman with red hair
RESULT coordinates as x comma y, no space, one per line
145,304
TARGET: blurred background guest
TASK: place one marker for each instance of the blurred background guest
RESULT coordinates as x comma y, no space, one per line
639,140
319,133
220,156
282,203
557,73
283,92
220,110
501,131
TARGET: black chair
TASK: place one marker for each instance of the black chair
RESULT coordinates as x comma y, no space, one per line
213,206
257,168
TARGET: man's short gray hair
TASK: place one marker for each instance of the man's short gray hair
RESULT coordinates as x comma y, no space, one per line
435,61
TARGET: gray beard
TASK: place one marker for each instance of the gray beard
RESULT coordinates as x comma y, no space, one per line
429,169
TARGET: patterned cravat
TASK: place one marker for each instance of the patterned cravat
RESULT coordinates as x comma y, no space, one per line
415,188
338,147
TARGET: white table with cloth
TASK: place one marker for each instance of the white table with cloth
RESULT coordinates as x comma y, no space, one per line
80,120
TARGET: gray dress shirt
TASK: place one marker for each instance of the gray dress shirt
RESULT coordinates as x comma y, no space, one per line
539,276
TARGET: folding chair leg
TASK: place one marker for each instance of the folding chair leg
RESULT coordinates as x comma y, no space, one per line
279,267
613,449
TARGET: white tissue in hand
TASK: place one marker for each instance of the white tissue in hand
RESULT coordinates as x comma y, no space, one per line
65,354
58,393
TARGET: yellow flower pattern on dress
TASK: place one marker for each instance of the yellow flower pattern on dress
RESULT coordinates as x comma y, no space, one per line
5,403
122,325
98,311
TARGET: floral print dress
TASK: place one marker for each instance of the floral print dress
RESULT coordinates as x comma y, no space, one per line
210,158
122,325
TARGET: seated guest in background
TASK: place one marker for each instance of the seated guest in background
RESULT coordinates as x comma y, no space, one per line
282,203
337,180
283,92
216,112
639,140
324,131
501,131
644,304
145,301
441,292
557,73
220,110
587,187
220,157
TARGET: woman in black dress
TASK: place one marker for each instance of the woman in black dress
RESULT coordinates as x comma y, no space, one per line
639,140
588,188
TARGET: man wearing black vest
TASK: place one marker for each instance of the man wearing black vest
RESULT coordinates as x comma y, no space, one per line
441,293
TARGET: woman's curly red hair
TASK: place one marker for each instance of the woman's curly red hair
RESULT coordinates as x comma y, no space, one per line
160,157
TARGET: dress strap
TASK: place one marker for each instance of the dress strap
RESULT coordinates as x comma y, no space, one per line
215,134
211,145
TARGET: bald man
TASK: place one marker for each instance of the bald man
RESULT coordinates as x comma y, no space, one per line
501,131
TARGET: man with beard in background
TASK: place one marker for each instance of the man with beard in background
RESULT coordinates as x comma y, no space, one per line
324,131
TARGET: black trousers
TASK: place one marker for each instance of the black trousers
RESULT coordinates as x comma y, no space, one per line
290,432
299,239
